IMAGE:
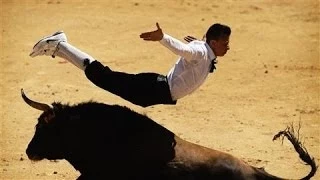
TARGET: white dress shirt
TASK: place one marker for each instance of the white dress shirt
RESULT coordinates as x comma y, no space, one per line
191,68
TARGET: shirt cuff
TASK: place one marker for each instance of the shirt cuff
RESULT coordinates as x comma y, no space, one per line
164,38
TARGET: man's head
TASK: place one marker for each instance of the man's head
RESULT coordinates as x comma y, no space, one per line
217,37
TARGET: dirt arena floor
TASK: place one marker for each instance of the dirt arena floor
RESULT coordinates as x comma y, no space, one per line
269,79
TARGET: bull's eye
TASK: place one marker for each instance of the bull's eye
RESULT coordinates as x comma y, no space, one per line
39,126
47,119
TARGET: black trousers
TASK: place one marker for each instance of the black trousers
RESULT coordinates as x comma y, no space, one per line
143,89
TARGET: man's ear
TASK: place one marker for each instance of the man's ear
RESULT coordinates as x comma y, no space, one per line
212,43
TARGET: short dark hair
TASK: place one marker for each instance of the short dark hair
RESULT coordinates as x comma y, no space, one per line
217,31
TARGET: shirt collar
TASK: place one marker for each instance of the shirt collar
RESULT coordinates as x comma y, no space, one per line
211,55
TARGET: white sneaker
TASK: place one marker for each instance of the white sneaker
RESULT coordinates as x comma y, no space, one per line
48,45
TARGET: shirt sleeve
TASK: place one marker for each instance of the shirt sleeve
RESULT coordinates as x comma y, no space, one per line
187,51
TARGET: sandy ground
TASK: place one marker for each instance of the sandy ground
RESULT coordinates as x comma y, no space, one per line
268,80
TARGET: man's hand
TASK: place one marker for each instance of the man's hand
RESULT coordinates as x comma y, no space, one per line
156,35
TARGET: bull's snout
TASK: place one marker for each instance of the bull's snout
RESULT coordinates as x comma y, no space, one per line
35,158
32,154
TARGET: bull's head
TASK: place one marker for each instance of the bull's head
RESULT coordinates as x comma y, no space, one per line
46,142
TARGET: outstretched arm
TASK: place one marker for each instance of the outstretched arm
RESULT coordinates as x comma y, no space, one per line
157,35
176,46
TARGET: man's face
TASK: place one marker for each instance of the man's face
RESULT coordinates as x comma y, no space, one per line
220,46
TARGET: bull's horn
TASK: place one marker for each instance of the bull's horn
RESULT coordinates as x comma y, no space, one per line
36,105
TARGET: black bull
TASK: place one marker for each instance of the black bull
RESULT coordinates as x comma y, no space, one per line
113,142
